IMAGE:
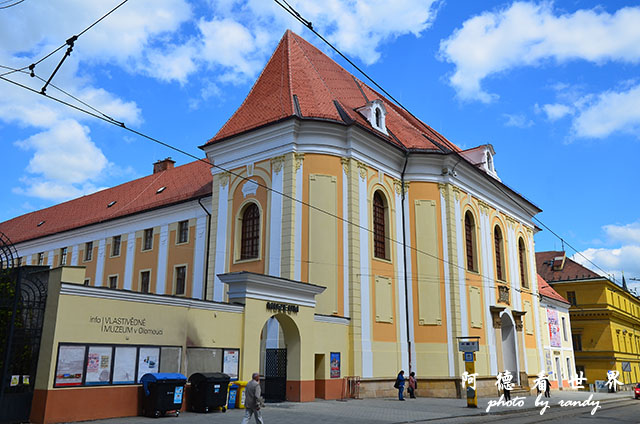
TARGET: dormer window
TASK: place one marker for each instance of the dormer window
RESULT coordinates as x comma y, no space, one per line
375,113
490,162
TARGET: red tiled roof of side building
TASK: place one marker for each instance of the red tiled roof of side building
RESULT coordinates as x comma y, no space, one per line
546,290
570,271
186,182
299,69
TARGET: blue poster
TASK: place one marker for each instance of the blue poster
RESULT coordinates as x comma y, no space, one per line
335,364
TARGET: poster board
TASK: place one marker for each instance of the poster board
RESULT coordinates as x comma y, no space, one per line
148,361
124,365
98,365
70,366
334,364
230,363
554,328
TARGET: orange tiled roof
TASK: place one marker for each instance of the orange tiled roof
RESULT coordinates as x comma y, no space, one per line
571,270
299,80
186,182
548,291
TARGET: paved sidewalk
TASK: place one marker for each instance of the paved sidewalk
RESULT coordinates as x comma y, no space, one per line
387,411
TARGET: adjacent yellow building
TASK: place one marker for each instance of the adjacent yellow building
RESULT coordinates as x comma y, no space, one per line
605,319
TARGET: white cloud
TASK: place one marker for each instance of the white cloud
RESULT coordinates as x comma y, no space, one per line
517,120
629,233
64,163
556,111
528,34
609,112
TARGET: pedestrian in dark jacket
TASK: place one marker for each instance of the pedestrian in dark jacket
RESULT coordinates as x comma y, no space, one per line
400,385
547,387
412,385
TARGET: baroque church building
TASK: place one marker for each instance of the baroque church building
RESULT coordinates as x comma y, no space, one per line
336,235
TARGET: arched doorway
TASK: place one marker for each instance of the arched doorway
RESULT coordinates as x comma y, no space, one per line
279,356
509,353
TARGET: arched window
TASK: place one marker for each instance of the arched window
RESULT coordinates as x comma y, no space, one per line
497,240
489,162
379,226
378,118
250,243
523,263
469,235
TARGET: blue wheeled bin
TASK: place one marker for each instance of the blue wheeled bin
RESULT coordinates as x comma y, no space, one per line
163,392
208,391
233,396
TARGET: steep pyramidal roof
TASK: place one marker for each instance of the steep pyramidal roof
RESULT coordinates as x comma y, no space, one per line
186,182
299,80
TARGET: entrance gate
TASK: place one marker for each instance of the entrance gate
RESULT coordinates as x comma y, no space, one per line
275,375
23,297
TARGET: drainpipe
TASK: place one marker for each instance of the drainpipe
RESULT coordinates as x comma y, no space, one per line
206,257
404,255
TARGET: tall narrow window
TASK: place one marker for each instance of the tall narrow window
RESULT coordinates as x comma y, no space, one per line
63,256
148,239
113,281
250,243
571,297
180,277
378,118
523,263
564,329
41,258
469,230
183,231
497,238
379,226
88,251
144,281
115,245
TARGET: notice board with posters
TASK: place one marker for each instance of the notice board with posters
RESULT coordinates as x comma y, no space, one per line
230,363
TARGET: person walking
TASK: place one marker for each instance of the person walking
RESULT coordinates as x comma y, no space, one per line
253,400
547,387
400,385
412,385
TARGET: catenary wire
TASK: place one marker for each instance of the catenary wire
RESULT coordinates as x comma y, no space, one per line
11,5
33,65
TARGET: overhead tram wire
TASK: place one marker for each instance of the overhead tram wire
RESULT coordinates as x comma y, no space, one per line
99,115
34,64
15,3
308,24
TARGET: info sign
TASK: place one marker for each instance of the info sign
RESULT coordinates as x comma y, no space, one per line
468,346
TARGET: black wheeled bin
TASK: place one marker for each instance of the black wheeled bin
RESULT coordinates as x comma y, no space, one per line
208,391
163,392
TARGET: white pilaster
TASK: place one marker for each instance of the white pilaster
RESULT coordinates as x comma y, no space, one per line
297,242
74,255
365,280
100,263
163,248
221,240
275,240
128,265
447,286
462,283
489,291
345,243
407,239
199,258
400,278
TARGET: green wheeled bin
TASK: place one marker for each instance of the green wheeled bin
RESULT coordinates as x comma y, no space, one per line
208,391
163,392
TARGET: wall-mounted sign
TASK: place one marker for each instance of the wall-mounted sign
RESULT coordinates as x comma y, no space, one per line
230,363
335,364
468,346
282,307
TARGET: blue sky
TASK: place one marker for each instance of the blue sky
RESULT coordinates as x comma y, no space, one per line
552,85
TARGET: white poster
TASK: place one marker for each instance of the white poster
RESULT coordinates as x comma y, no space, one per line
230,363
124,366
148,361
98,365
70,365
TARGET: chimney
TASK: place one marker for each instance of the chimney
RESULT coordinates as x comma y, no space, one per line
163,165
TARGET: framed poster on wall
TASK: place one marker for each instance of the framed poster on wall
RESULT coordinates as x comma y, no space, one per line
230,363
99,365
148,361
70,366
124,365
334,364
554,328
